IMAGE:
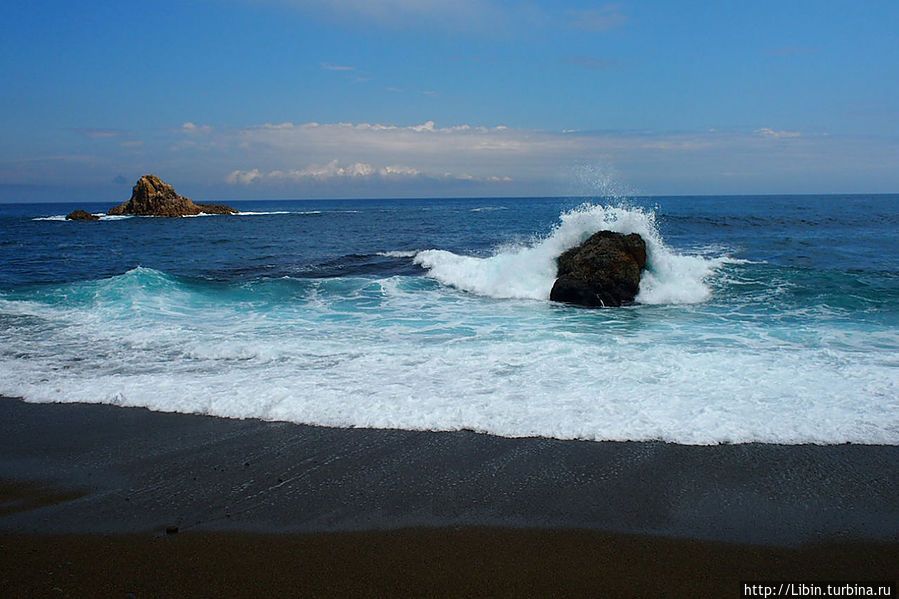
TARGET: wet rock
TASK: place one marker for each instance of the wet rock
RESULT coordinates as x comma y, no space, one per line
81,215
151,196
605,270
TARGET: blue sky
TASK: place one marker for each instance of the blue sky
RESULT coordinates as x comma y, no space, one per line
248,99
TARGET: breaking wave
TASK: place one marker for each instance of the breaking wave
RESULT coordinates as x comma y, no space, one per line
528,271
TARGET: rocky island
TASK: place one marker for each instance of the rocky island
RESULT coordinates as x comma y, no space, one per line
151,196
605,270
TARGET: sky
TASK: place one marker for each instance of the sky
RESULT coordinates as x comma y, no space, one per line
267,99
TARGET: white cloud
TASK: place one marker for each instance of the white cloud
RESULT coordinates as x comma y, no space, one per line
428,126
294,160
356,170
377,152
425,150
336,67
190,128
371,159
767,132
399,170
372,141
243,177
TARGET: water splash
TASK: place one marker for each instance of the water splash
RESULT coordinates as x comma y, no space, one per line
601,181
529,271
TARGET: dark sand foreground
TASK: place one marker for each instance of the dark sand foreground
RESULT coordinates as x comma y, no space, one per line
275,509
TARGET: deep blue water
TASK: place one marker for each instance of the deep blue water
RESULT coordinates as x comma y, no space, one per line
768,318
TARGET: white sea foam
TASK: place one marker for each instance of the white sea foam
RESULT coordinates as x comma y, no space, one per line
272,212
398,254
104,216
528,271
101,215
395,353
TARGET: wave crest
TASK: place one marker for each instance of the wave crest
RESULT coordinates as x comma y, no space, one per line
529,271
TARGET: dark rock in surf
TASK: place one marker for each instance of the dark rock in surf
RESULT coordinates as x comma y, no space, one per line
603,271
151,196
81,215
215,208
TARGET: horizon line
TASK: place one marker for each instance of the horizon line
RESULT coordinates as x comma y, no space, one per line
512,197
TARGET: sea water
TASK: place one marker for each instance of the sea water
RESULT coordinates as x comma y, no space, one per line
769,319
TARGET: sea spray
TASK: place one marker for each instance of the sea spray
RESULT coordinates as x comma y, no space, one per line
528,271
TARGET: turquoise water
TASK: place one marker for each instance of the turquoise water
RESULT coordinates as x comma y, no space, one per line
772,319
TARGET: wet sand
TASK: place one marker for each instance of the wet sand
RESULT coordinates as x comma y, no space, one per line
316,510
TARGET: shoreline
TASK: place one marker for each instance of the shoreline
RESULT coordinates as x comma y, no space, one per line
87,492
139,471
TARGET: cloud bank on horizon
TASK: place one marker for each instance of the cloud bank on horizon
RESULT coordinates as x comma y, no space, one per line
349,98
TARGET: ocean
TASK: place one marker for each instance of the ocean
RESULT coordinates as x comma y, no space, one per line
768,319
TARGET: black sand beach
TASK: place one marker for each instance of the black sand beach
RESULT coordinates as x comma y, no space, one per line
261,508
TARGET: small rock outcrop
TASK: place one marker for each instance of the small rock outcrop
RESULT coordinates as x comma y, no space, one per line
151,196
81,215
215,208
603,271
